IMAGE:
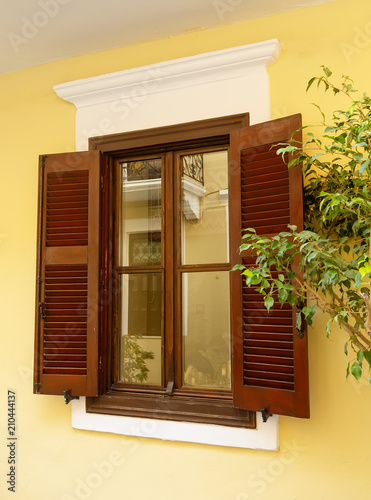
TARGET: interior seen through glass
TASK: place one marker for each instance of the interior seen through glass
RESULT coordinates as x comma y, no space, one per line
141,328
206,339
204,241
205,208
140,214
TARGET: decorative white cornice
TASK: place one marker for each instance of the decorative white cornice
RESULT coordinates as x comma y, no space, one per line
170,75
193,192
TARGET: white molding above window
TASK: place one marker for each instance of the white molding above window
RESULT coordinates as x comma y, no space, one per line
181,73
210,85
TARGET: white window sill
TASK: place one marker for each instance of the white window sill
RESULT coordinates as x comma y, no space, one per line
264,437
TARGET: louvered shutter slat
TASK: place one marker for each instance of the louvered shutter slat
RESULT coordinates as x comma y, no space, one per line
269,358
66,347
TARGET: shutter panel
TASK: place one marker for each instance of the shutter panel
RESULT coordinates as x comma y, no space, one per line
270,366
66,344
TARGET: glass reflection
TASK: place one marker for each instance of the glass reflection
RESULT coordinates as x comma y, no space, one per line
141,328
140,213
206,330
205,237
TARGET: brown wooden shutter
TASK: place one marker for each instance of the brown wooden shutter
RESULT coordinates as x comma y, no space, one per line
66,345
270,367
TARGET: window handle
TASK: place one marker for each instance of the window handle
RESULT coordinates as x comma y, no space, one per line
170,388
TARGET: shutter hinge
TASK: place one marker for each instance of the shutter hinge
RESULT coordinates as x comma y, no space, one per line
265,414
39,280
100,363
101,182
68,397
37,387
42,310
42,161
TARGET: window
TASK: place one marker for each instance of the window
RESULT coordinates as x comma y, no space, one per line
136,305
191,265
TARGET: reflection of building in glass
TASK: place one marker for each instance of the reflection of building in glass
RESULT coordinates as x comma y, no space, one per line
193,167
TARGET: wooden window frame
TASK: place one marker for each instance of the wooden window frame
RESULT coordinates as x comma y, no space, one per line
193,405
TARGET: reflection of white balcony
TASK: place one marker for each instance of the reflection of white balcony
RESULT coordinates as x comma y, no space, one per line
150,190
192,193
146,190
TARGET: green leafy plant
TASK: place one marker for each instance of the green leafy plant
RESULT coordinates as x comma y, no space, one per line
134,359
327,266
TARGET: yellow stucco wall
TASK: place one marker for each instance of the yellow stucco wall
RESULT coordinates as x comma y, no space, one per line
326,457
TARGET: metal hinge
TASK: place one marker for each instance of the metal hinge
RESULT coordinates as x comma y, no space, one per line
102,182
68,397
42,310
42,161
265,414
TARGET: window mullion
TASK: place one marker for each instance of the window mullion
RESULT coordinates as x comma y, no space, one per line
168,256
177,272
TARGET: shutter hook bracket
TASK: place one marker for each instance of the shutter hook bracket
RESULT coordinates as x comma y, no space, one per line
265,414
68,397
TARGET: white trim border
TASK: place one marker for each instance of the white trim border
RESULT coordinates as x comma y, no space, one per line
264,437
210,85
180,73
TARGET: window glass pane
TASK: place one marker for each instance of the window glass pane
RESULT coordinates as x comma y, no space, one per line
206,330
140,213
204,235
140,322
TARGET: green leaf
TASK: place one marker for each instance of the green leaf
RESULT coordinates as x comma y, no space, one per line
364,165
310,83
268,302
356,370
309,312
291,299
360,357
327,72
367,356
328,328
346,348
314,157
358,279
320,110
298,321
238,267
365,269
283,295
